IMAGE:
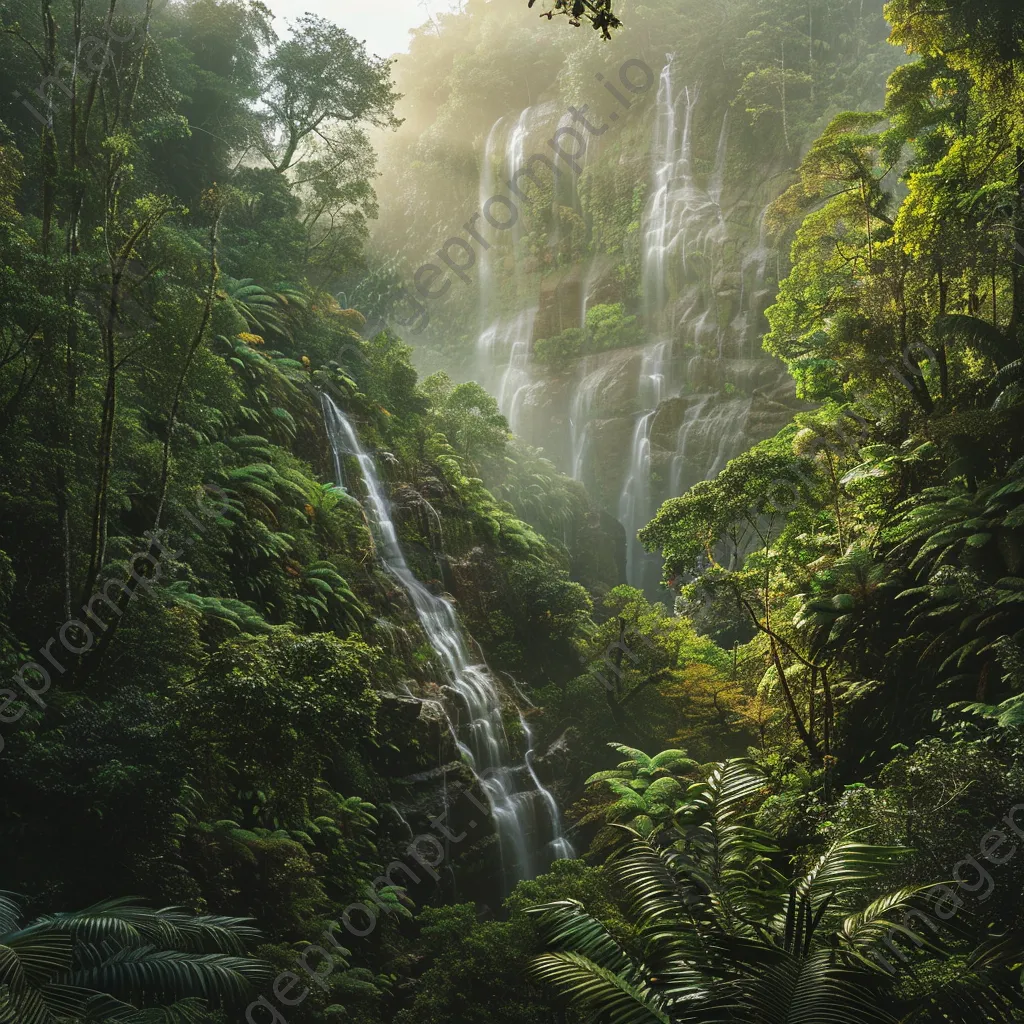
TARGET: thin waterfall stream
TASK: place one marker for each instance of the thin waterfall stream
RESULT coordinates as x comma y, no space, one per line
528,840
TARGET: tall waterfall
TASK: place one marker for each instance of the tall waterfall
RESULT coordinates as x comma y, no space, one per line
503,344
681,218
503,350
687,305
526,817
635,501
486,189
639,424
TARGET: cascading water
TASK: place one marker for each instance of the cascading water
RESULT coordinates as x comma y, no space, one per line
486,189
526,845
579,418
516,380
637,425
683,236
560,846
635,501
672,188
708,437
677,206
506,344
504,340
684,220
515,152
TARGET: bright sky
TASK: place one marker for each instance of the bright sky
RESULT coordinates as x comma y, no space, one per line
383,24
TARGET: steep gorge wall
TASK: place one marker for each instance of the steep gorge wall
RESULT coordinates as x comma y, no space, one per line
664,223
641,422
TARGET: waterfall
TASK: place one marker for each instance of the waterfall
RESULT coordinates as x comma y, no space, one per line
515,155
504,340
710,434
506,314
503,350
560,846
670,166
683,219
682,241
579,417
476,723
700,306
488,181
635,501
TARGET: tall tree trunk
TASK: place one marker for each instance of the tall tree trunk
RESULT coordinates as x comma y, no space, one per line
135,580
829,711
105,446
179,389
787,693
794,712
1017,258
943,361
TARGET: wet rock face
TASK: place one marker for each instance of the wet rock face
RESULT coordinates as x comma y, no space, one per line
565,296
559,304
608,443
613,385
697,268
670,416
599,393
426,780
443,834
693,436
542,415
600,554
750,375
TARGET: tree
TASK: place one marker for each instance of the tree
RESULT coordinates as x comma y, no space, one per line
644,787
470,419
334,186
474,968
979,41
318,81
284,704
598,12
210,50
723,534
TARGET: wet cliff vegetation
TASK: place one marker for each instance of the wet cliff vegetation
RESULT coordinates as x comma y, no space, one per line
789,774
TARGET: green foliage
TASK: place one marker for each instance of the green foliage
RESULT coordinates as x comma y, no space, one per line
598,12
644,787
116,959
549,501
748,498
717,933
475,969
274,708
227,727
607,327
469,417
562,348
